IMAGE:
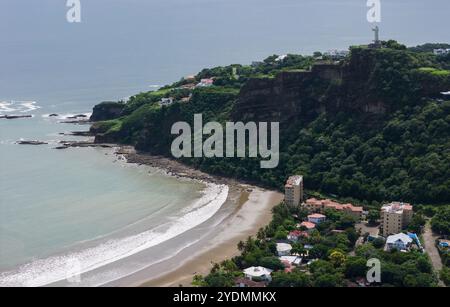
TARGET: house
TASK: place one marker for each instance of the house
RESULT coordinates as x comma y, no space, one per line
281,58
205,82
190,78
258,273
295,235
247,283
316,218
400,241
337,54
320,205
395,216
441,51
308,225
166,101
284,249
292,260
293,191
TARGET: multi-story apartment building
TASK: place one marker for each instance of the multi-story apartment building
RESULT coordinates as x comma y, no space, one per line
293,190
394,217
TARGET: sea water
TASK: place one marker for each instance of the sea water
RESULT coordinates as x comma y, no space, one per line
82,209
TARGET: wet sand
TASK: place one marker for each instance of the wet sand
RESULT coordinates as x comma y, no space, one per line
252,213
246,210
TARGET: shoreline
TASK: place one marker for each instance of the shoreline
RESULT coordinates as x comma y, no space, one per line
249,206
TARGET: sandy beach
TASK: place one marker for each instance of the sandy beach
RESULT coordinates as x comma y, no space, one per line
246,210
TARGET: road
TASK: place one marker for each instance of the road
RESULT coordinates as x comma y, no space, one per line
429,244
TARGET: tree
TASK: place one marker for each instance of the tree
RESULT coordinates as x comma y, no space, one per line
219,279
337,258
328,280
272,263
445,275
378,242
293,279
440,223
373,217
355,267
417,223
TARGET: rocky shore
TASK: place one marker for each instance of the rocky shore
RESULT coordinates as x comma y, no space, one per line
15,116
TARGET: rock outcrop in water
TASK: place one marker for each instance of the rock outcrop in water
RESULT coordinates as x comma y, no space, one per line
15,116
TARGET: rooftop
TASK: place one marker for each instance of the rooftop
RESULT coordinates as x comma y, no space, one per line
283,247
294,180
396,207
400,236
257,271
308,225
316,216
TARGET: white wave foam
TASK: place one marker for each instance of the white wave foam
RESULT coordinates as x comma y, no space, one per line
18,106
45,271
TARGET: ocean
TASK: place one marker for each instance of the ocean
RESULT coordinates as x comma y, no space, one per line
82,209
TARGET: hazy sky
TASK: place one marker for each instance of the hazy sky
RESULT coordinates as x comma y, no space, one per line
123,46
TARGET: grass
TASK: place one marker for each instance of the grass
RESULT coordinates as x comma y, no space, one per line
434,71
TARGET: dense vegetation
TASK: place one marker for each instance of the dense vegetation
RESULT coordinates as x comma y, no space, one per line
402,154
333,265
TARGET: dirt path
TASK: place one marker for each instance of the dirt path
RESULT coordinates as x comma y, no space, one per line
432,251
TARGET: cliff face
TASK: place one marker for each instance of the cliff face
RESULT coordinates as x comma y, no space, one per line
107,110
305,94
371,83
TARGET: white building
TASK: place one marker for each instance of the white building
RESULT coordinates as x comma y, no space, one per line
284,249
281,58
293,191
205,83
166,101
441,51
293,260
258,273
400,241
337,54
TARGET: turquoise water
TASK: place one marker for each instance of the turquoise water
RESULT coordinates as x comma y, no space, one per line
51,199
83,203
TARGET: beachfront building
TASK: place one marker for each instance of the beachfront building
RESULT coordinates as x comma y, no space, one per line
316,218
400,241
320,205
293,191
166,101
258,273
395,216
284,249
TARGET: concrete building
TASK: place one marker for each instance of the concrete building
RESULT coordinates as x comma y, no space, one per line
166,101
293,191
400,241
394,217
284,249
258,273
316,218
441,51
